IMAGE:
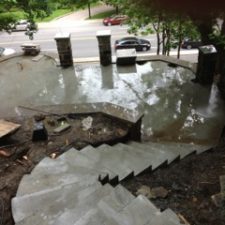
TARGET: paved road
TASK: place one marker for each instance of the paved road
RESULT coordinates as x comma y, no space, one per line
83,35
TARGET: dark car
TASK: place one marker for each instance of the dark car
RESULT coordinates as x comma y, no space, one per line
189,44
115,20
133,42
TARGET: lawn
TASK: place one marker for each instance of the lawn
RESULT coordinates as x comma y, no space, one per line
55,14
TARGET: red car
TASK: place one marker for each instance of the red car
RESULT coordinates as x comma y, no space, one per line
114,20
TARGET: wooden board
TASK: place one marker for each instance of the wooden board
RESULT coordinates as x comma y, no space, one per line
7,127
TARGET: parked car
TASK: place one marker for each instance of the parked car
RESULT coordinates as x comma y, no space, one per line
115,20
6,51
133,42
21,25
189,44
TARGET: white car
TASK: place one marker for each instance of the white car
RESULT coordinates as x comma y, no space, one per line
21,25
6,51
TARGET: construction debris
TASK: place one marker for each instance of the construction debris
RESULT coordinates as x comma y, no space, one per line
219,198
39,132
7,127
5,153
144,190
62,127
158,192
87,123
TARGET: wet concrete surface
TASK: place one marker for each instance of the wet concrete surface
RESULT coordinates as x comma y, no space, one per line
175,108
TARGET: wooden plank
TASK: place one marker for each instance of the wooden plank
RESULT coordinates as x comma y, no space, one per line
7,127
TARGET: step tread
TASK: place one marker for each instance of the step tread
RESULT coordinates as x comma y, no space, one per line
26,205
108,159
119,198
95,217
78,205
31,184
139,211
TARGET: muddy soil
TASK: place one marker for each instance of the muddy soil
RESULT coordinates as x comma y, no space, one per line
19,155
190,184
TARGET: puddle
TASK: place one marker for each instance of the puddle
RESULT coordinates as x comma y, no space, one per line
175,108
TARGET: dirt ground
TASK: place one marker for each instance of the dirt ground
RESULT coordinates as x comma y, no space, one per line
19,154
190,182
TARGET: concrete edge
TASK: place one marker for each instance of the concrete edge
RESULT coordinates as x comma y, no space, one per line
116,111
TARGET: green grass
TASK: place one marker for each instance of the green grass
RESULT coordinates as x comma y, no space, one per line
17,14
103,15
54,14
20,15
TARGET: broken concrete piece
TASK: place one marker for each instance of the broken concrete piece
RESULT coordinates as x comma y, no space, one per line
62,127
159,192
144,190
217,199
87,123
7,127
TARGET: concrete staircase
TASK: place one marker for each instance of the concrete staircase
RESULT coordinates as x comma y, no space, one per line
75,189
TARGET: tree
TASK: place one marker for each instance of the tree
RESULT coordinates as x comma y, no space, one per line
169,28
114,3
84,3
204,15
31,8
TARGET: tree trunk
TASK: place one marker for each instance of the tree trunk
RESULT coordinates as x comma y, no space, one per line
89,10
180,39
156,28
163,41
117,9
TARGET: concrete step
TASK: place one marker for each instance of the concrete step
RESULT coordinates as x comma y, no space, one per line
138,212
152,158
96,217
26,205
104,155
159,151
183,149
41,181
70,210
86,155
137,159
71,216
118,199
168,217
58,165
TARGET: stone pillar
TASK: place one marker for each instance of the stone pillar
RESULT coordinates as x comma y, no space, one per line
104,44
206,64
64,49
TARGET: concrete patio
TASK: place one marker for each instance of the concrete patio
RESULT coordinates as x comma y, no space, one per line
175,108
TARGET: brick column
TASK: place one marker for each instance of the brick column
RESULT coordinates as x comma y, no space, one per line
206,64
104,44
64,49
